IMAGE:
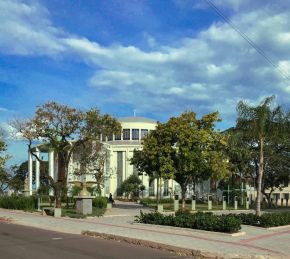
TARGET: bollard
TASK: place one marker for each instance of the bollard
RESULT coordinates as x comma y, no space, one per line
38,203
160,208
209,205
193,202
247,203
176,203
224,203
235,202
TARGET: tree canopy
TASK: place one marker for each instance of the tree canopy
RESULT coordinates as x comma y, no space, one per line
64,129
262,129
186,149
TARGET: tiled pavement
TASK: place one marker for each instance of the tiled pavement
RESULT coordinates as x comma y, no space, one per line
118,221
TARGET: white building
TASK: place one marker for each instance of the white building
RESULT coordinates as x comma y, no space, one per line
118,167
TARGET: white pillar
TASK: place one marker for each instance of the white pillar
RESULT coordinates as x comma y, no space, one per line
51,168
30,164
37,169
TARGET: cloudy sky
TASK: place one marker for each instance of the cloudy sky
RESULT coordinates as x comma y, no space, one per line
158,57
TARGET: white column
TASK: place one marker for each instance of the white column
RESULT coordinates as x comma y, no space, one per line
30,164
51,168
37,169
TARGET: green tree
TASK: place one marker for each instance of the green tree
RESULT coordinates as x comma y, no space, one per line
259,126
5,176
64,129
186,149
131,186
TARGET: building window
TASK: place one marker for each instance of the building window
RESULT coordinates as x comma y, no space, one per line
118,136
110,137
144,132
126,134
135,134
165,188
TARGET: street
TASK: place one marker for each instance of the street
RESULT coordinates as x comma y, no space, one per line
26,242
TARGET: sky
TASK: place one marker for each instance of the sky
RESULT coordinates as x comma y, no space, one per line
157,57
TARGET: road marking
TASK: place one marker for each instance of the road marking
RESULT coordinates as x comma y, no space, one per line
56,238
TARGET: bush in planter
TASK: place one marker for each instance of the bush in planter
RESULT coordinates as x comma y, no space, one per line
275,219
100,202
203,221
266,219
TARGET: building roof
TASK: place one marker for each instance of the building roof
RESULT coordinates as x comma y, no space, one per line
136,119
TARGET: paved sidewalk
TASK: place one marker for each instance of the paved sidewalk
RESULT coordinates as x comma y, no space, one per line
119,221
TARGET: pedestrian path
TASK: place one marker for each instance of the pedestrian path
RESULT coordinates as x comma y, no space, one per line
119,220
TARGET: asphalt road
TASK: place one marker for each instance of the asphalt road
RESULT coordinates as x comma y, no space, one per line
29,243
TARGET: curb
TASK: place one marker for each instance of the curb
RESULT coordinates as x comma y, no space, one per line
151,244
197,254
190,230
270,228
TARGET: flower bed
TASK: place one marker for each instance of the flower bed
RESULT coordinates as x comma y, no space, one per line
202,221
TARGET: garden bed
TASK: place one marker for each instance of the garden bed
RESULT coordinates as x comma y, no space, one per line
201,221
266,220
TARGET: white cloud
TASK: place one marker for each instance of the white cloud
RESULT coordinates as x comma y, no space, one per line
2,109
211,71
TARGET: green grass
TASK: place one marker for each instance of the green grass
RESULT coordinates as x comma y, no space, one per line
72,213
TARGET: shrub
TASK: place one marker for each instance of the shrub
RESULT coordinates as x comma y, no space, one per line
100,202
146,201
266,219
18,202
203,221
131,186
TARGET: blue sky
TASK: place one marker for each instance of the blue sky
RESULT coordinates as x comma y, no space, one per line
158,57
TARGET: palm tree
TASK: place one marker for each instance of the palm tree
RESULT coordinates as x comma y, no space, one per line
257,125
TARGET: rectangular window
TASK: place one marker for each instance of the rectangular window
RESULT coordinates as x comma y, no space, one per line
119,171
118,136
126,134
144,132
110,137
135,134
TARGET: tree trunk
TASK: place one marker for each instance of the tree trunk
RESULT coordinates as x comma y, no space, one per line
268,197
57,195
260,177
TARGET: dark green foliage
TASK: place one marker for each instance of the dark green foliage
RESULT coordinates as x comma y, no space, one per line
203,221
266,219
100,202
18,202
147,201
131,186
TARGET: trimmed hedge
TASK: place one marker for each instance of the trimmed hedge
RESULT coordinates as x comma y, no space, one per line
274,219
200,220
146,201
100,202
18,202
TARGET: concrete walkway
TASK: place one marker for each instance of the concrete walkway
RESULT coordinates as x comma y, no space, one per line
257,242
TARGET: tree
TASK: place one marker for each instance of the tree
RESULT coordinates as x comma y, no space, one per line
64,129
20,172
259,126
131,186
4,174
186,149
92,157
